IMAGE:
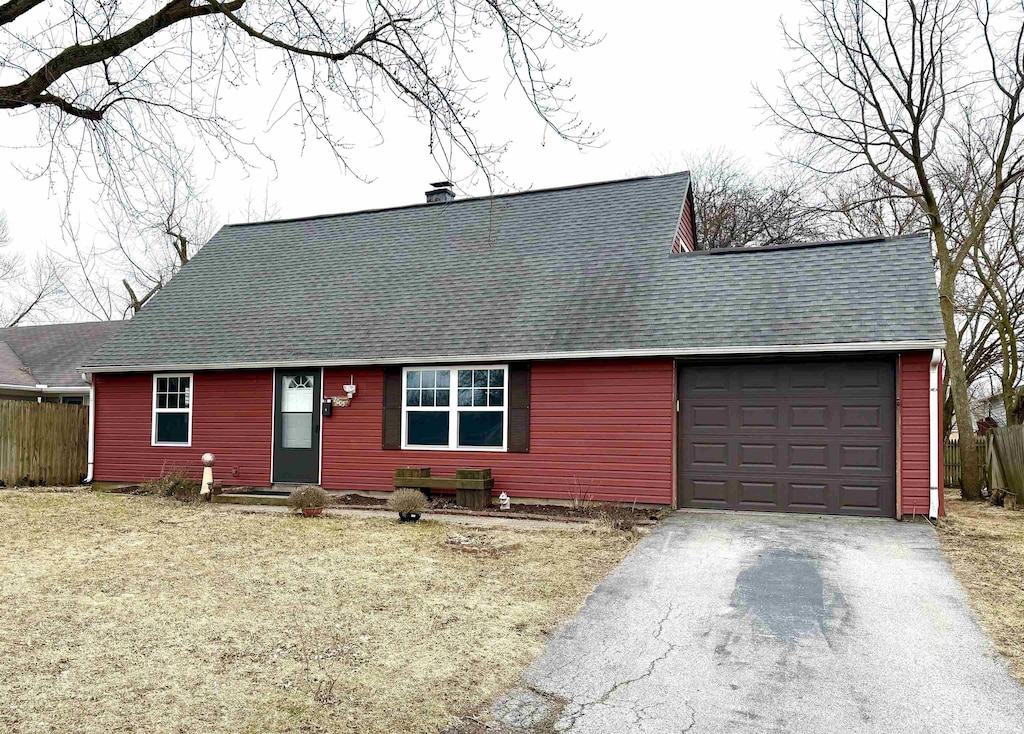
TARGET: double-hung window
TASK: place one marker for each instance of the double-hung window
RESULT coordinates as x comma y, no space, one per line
455,408
172,410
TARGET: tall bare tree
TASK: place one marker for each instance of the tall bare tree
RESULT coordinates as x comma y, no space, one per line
7,261
864,206
115,84
140,247
997,275
735,207
26,289
893,89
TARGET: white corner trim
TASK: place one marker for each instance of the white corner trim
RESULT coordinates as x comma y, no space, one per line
320,417
92,432
273,424
934,470
841,347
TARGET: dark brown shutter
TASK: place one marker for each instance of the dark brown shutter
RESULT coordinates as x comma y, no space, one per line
392,408
519,407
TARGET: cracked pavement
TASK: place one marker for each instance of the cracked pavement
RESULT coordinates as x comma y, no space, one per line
772,623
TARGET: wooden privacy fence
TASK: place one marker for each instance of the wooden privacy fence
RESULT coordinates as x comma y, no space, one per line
1007,458
43,443
951,458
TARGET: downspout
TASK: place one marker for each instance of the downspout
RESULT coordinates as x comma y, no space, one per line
92,428
933,434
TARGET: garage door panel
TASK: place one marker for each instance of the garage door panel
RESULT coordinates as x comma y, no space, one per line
861,495
860,417
709,455
757,495
708,416
807,457
709,492
709,380
861,459
790,436
758,456
760,379
808,378
870,378
758,417
809,417
807,497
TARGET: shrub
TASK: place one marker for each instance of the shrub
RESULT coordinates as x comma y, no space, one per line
175,483
581,495
308,496
407,501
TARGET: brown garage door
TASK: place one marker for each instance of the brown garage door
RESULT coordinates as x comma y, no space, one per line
809,436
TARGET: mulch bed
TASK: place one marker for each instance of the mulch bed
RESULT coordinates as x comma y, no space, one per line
589,512
445,505
359,500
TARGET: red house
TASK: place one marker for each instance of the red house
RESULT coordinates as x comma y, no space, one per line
567,338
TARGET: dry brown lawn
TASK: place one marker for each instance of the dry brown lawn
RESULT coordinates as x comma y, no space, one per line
133,614
985,545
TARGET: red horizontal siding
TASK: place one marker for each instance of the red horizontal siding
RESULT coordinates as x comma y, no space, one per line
231,417
685,239
915,433
604,423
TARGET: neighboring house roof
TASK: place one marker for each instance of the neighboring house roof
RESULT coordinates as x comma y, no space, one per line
12,370
50,354
571,272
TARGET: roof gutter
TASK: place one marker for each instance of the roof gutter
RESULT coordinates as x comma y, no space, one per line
47,389
841,347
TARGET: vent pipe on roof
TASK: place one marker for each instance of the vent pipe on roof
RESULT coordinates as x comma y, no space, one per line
441,193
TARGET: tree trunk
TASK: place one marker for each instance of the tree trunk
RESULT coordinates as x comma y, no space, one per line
1013,404
970,477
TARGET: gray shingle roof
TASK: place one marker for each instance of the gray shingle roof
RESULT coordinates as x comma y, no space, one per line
558,272
12,370
52,352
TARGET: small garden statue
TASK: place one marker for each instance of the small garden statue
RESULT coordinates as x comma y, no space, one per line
206,490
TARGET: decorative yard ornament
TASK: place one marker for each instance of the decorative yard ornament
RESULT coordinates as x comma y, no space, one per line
504,502
208,461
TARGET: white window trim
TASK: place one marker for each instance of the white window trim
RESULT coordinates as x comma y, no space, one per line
191,402
453,409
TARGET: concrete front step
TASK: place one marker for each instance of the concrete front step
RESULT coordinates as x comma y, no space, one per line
250,498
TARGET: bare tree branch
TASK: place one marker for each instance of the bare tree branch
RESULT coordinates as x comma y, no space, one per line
887,89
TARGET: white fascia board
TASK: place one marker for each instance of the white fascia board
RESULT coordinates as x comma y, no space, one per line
843,347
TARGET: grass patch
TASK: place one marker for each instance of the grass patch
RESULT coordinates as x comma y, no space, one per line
125,613
985,546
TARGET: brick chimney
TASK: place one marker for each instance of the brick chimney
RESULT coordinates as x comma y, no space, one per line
441,193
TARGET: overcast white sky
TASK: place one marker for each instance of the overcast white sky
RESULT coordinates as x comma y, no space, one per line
670,78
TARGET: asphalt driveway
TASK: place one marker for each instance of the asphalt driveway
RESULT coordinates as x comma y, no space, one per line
736,622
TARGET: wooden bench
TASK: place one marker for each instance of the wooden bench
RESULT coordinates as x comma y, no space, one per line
473,487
